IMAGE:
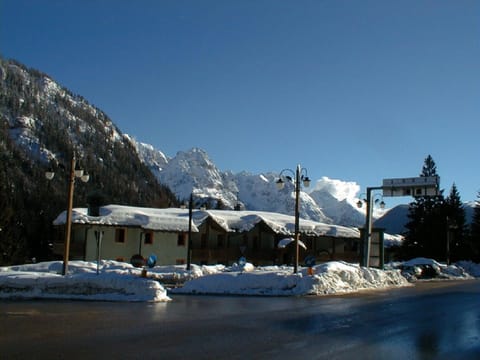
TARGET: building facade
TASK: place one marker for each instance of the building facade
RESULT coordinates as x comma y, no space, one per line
217,236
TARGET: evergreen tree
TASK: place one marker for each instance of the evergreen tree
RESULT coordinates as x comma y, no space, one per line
429,168
426,235
475,231
458,245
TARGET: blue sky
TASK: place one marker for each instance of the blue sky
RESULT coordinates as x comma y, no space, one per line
353,90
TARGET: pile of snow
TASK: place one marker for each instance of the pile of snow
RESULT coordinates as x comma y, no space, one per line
329,278
117,281
176,275
80,287
470,268
335,277
429,269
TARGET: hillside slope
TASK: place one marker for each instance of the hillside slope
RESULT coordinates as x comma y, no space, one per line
42,124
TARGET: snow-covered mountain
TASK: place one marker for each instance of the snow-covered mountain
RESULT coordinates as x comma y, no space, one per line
328,200
192,171
259,192
338,200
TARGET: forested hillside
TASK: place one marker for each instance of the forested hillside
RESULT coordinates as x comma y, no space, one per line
42,125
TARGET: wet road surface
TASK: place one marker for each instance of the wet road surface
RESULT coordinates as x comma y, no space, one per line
438,320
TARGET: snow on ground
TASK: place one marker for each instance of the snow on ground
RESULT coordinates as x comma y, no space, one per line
329,278
118,281
429,269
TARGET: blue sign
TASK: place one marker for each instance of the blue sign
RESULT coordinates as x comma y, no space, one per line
151,261
310,261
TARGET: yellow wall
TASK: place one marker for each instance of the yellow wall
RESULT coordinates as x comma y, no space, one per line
164,246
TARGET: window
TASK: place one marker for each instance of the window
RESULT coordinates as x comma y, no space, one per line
120,235
181,239
148,239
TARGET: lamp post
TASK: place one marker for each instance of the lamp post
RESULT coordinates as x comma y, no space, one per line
380,202
98,238
74,173
189,242
451,227
367,235
300,176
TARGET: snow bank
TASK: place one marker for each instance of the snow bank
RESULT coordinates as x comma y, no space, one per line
342,277
470,267
429,269
329,278
117,281
108,287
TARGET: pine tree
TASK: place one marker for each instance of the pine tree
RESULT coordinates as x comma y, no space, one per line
475,231
458,245
426,235
429,168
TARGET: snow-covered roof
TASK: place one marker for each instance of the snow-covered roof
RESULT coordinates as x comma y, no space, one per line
170,219
175,219
240,221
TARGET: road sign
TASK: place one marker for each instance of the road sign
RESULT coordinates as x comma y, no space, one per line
242,261
152,261
417,186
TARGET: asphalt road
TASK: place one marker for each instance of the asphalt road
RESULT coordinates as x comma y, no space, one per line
438,320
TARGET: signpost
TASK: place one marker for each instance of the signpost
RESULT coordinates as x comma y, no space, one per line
98,238
418,186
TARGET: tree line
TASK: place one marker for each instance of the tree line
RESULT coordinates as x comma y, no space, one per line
437,226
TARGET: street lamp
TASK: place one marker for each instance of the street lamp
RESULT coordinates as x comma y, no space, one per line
75,172
367,236
380,202
189,243
451,226
300,176
98,238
